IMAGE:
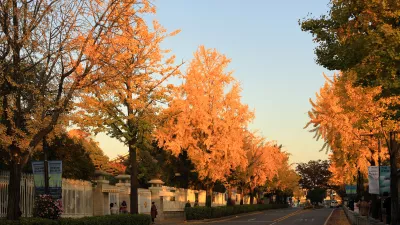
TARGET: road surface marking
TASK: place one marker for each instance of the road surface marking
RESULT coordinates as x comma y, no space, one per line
251,219
298,212
327,219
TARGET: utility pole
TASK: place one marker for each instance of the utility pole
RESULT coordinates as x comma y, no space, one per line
375,201
46,167
393,149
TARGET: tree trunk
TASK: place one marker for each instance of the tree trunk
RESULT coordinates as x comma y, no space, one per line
393,180
374,206
209,192
241,197
259,197
14,195
360,184
251,196
229,202
134,181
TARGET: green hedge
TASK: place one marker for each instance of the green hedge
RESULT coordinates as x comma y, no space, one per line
199,213
122,219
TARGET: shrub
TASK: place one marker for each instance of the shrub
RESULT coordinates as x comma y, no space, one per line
29,221
199,213
47,207
121,219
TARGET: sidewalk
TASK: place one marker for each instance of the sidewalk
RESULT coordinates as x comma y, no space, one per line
338,218
170,221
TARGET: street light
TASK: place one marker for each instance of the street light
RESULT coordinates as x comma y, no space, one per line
376,135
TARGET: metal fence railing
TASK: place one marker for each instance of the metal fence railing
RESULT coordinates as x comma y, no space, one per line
357,219
77,196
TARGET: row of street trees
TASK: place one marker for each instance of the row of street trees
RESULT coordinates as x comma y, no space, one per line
99,64
361,39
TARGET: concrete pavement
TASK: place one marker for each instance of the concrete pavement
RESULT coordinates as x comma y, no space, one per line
291,216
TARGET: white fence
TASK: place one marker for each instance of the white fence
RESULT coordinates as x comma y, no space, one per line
77,196
27,193
180,196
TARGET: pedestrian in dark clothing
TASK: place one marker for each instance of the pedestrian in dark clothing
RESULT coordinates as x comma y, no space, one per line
153,211
388,207
351,205
124,207
188,205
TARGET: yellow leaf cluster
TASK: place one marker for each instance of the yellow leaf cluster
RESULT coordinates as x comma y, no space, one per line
351,119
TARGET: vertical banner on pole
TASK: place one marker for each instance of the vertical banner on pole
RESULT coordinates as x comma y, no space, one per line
55,179
351,189
38,177
384,179
373,179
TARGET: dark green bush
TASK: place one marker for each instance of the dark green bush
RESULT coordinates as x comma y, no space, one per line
122,219
199,213
29,221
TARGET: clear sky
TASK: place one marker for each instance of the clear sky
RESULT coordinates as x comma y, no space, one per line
271,57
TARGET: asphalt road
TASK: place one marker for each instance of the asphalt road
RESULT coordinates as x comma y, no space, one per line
292,216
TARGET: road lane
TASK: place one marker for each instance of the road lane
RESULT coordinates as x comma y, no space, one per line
308,217
291,216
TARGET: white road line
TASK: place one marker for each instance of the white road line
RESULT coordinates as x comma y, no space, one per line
251,219
327,219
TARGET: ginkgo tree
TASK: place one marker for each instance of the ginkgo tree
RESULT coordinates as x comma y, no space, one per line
208,119
342,122
363,37
263,160
127,104
47,54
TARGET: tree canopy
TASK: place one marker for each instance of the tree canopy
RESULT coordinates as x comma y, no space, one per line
362,36
209,118
314,174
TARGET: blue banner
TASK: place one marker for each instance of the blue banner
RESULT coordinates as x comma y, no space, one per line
351,189
55,178
384,179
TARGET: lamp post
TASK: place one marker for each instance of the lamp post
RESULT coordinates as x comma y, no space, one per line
377,135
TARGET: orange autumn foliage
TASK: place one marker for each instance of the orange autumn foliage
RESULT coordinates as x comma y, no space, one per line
207,118
263,161
127,104
342,116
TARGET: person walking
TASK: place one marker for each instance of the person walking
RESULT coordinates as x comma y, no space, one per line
114,209
188,205
124,207
153,211
363,206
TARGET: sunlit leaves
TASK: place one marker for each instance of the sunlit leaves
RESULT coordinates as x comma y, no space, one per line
208,118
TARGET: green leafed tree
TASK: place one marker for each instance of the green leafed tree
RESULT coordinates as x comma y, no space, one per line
314,174
316,195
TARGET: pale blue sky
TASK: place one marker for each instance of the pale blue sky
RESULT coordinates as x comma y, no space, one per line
271,57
